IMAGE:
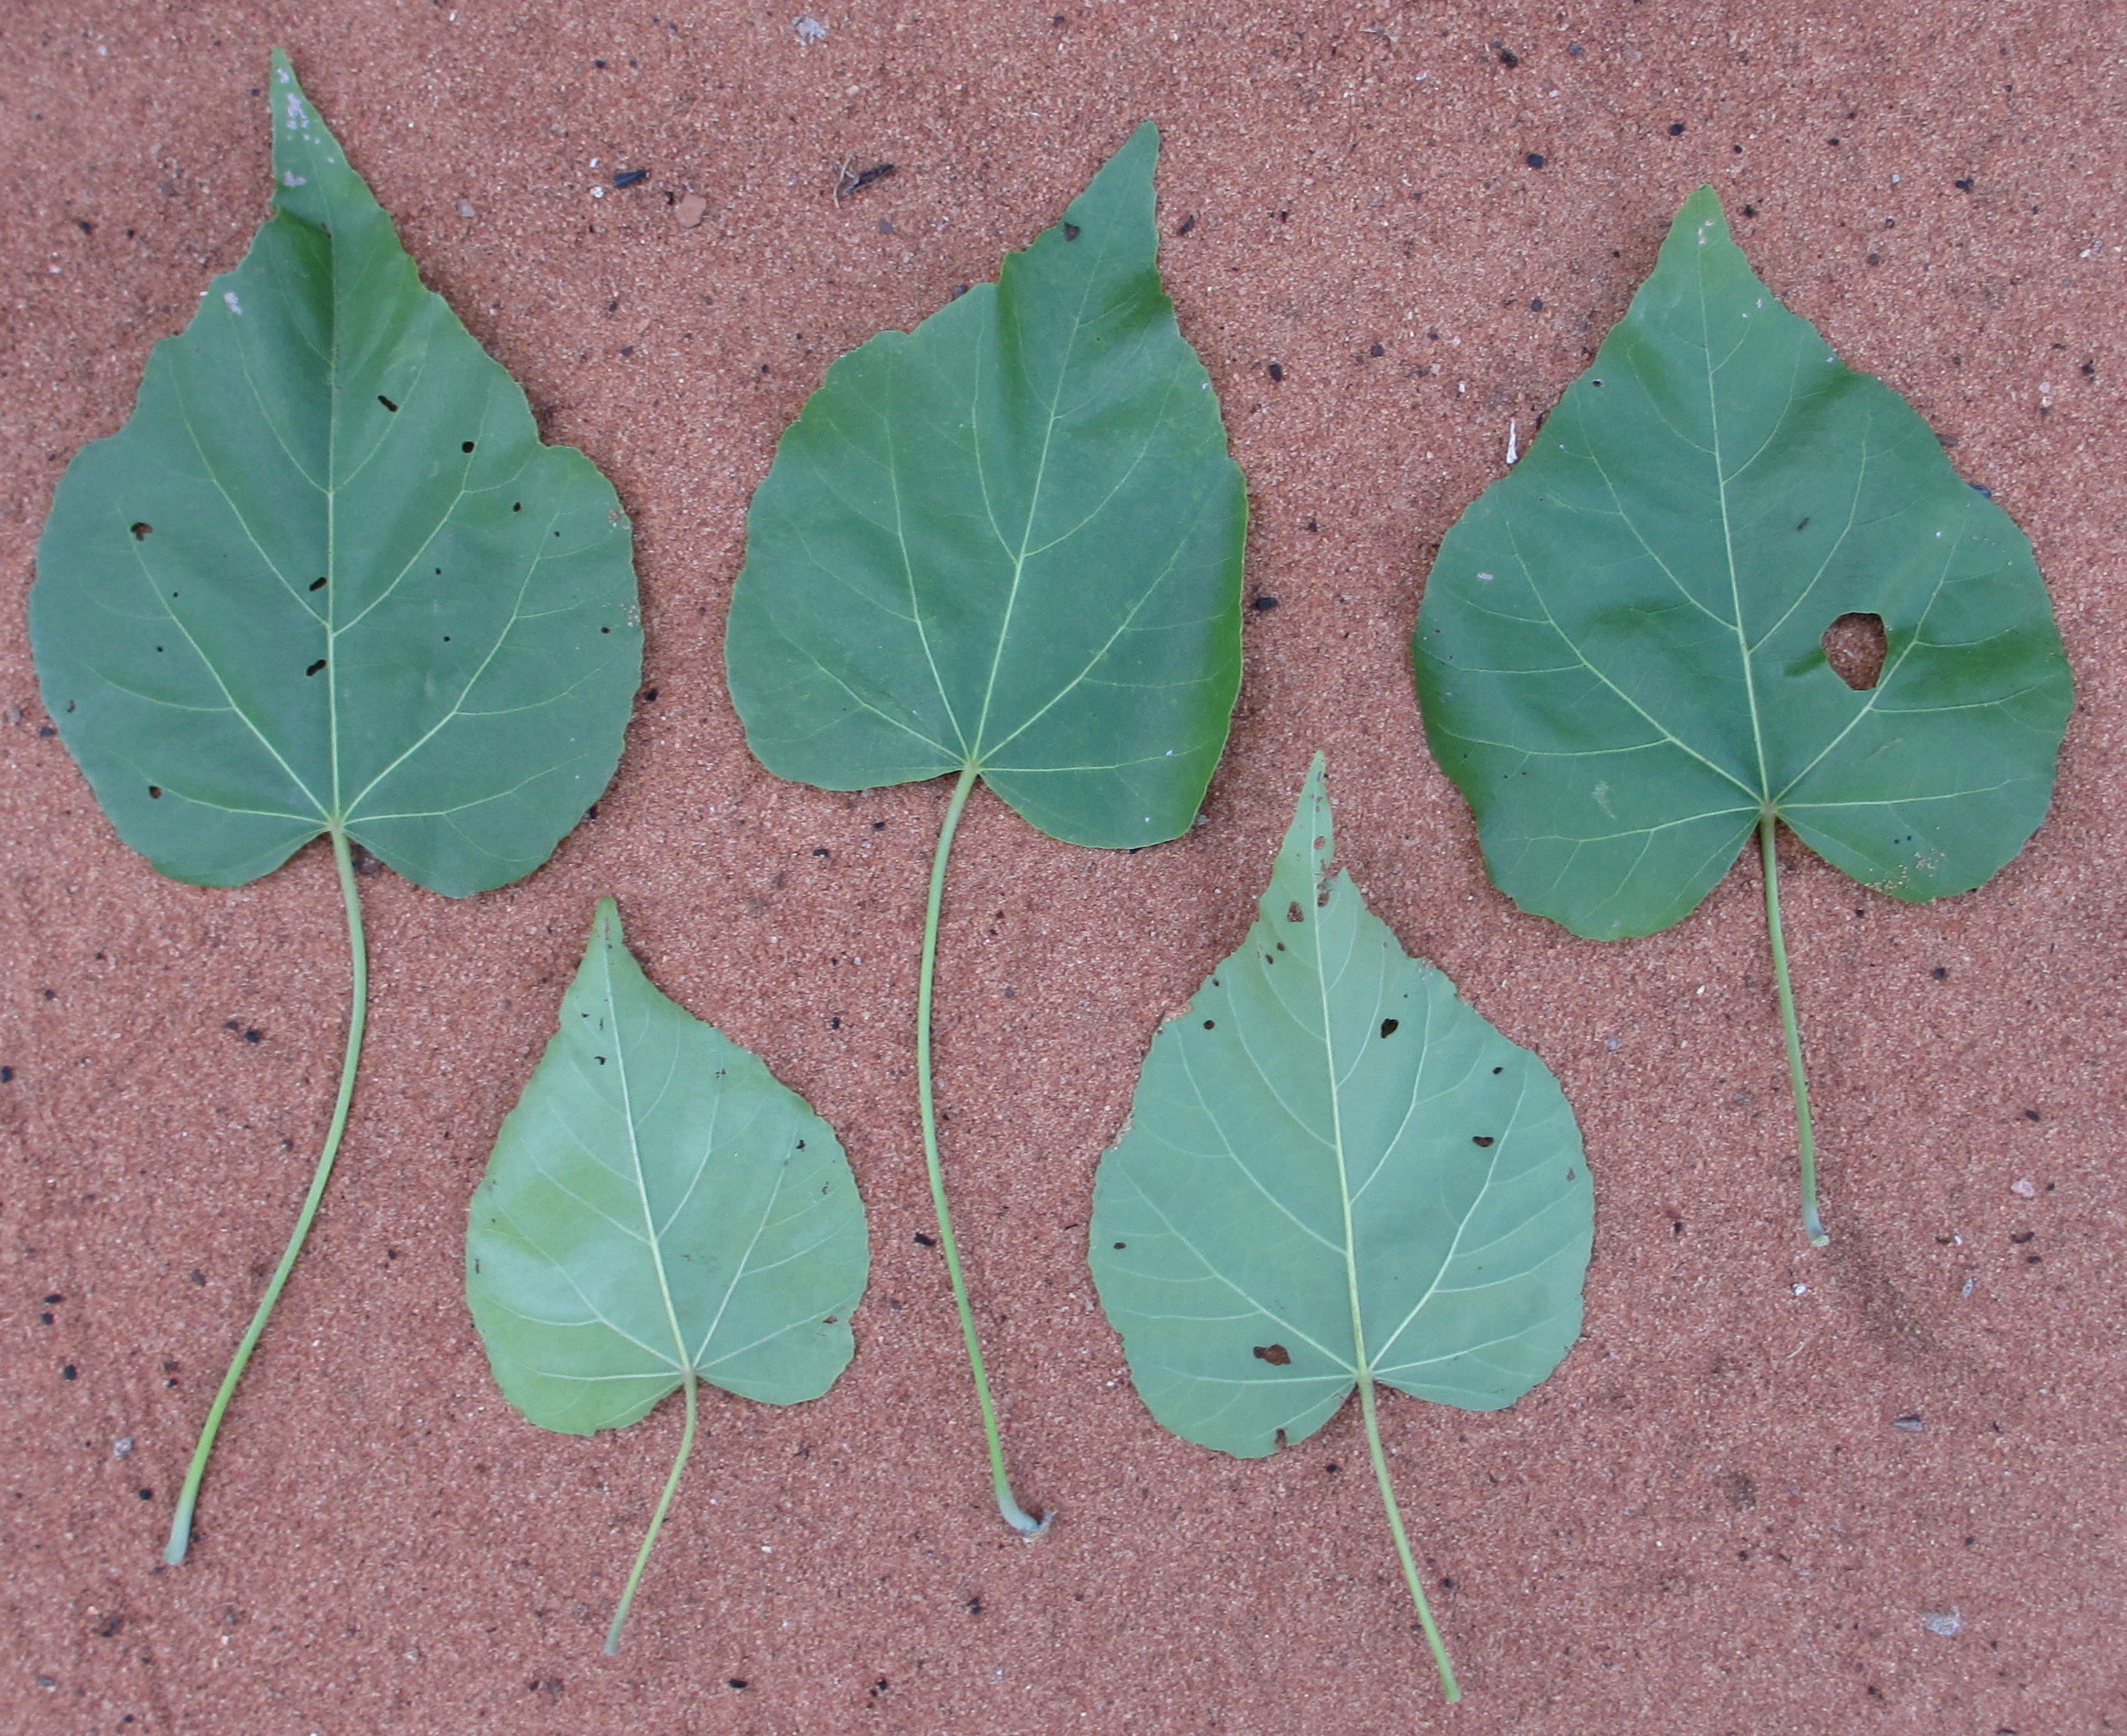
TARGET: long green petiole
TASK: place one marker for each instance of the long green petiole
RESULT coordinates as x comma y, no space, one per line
1812,1224
656,1520
1448,1689
1015,1516
181,1525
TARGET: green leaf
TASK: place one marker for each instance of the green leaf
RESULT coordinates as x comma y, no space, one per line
1620,656
659,1211
1009,540
326,578
1335,1173
1006,544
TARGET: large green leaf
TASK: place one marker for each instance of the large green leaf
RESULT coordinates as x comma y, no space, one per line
1006,544
659,1210
1620,655
327,578
1009,540
1335,1173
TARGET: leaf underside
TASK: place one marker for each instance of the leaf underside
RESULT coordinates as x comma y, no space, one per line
1620,657
327,576
1334,1170
658,1202
1010,539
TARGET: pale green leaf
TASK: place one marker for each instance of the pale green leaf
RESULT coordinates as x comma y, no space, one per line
658,1211
1620,655
1010,541
1336,1171
327,578
657,1204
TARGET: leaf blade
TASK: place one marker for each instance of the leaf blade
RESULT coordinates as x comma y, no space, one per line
1009,539
1619,655
1280,1220
455,692
657,1202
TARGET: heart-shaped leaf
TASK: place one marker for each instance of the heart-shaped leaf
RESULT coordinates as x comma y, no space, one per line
658,1211
327,579
1006,544
1335,1173
1621,654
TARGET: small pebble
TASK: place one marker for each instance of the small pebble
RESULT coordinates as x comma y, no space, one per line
1943,1623
466,210
691,210
2023,1187
1910,1425
121,1446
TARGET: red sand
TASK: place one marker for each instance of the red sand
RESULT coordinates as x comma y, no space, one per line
1711,1521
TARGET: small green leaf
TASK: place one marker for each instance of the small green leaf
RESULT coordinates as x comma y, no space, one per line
1335,1173
327,578
1621,652
1006,544
659,1211
1009,540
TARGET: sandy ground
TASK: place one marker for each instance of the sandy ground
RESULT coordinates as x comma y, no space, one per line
1738,1505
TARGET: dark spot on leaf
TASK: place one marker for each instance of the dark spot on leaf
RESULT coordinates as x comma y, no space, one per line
315,666
1209,1023
600,1059
1802,523
1121,1244
387,404
1482,1139
154,792
1573,1175
926,1241
1853,646
1498,1070
1071,231
317,584
1388,1027
465,446
518,507
142,529
1276,1355
630,177
1294,913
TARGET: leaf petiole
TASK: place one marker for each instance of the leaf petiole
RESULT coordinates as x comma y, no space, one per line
657,1518
1015,1516
180,1524
1448,1689
1812,1224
